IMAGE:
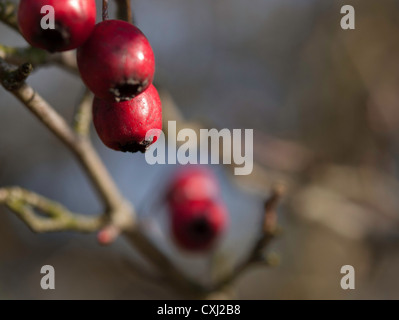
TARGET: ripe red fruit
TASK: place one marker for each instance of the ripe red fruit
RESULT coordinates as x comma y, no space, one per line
198,216
117,61
74,21
123,125
197,225
193,183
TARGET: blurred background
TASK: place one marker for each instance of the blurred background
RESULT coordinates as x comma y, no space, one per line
324,106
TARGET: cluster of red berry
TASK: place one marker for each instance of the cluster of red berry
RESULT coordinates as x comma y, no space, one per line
116,62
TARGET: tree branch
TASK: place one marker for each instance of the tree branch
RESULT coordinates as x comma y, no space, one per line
124,10
269,230
105,10
20,55
81,147
83,115
57,218
14,77
38,57
171,274
118,211
260,177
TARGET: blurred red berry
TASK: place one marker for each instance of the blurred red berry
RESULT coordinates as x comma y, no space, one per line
197,225
198,215
193,183
74,21
123,125
117,62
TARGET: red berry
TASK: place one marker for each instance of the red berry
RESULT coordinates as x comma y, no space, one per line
123,125
198,216
197,225
117,62
74,21
193,183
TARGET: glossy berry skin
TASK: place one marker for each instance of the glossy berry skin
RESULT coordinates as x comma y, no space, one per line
117,61
197,225
193,183
74,22
123,125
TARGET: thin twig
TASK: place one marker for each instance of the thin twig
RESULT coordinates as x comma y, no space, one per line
82,148
57,218
124,10
38,57
105,10
18,56
268,232
172,275
83,115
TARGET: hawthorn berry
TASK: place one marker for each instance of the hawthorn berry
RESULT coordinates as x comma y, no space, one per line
123,126
117,61
74,20
198,215
197,225
195,183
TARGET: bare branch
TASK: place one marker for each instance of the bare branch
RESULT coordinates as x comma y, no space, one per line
268,232
38,57
18,56
179,281
124,10
120,213
8,14
82,148
83,115
172,275
14,77
54,216
262,178
105,10
35,103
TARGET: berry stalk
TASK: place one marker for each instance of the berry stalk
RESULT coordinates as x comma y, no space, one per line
105,10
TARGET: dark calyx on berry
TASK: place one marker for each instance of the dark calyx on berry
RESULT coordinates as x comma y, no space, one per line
54,39
127,90
135,147
200,228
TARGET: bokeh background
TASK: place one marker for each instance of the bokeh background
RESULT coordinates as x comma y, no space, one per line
324,104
